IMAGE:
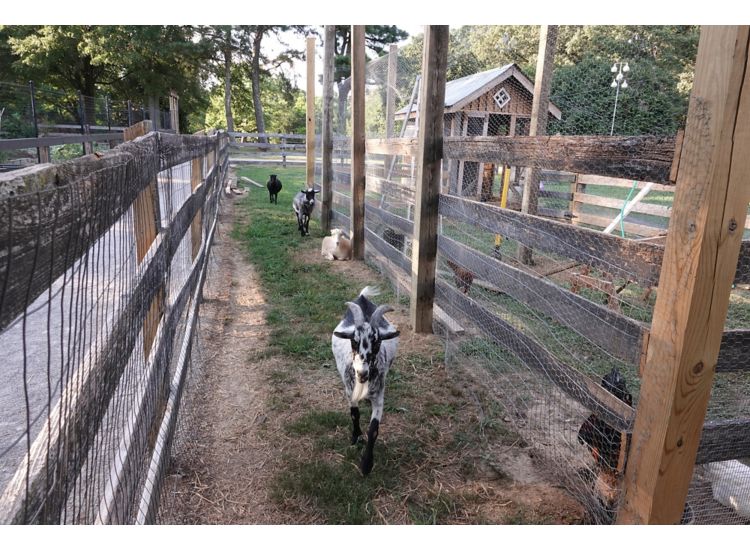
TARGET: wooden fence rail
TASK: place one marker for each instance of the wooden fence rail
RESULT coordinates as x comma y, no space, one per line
33,495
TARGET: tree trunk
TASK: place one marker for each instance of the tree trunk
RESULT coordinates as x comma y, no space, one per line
228,87
257,105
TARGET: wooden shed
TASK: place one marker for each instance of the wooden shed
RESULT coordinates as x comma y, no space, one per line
496,102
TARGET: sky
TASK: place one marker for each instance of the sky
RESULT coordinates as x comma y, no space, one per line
299,68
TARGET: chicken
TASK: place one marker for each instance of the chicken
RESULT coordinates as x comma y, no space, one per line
463,277
604,441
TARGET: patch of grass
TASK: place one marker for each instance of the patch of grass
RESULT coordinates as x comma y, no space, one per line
319,423
306,299
434,510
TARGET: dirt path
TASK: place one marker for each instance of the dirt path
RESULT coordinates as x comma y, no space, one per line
246,438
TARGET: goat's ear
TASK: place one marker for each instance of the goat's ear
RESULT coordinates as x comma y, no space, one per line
347,333
388,333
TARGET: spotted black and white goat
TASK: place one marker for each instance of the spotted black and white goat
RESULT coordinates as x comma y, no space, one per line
303,205
364,344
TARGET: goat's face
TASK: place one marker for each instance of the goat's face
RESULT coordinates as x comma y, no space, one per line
365,339
309,201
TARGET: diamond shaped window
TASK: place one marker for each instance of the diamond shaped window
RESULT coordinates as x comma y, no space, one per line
502,97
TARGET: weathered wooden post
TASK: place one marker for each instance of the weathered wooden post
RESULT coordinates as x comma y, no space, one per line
390,101
700,258
310,126
429,156
539,115
146,227
42,153
174,111
327,131
357,211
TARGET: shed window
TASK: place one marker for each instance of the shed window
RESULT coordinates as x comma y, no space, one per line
502,97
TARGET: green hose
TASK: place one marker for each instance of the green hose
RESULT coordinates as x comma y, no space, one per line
622,210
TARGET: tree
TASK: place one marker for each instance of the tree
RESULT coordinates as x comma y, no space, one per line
127,61
377,37
256,34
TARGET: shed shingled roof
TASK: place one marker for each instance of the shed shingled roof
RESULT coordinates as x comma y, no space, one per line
456,91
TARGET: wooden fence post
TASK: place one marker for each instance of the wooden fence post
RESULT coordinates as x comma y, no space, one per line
174,111
357,213
428,158
390,102
196,178
539,115
700,257
310,127
327,137
146,227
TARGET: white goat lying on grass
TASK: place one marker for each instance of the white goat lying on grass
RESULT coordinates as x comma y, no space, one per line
336,247
364,344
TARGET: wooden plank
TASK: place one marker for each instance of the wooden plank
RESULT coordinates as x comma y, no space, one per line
623,258
310,109
616,204
394,190
539,115
339,219
646,158
591,179
702,248
406,146
327,138
393,221
47,141
724,440
267,135
428,158
583,389
137,130
562,195
630,227
611,331
357,208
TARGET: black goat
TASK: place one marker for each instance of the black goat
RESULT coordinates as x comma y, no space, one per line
303,205
393,238
274,186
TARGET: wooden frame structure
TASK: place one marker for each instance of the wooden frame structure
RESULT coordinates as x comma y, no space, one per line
702,256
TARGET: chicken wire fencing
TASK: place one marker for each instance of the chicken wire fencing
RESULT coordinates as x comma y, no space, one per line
30,111
549,314
100,274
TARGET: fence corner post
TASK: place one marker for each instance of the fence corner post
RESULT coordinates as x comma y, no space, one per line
429,157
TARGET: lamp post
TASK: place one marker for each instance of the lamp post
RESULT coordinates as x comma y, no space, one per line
619,82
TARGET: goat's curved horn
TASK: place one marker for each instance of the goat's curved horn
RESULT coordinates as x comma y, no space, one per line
359,317
377,315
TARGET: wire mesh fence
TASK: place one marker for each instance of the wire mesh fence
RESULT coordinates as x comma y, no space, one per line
100,275
32,111
550,311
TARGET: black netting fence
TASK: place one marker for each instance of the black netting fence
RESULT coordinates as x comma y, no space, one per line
101,270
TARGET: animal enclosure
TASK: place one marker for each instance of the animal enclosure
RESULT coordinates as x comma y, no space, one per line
536,302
